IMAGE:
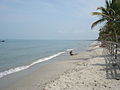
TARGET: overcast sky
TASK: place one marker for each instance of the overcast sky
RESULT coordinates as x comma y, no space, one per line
48,19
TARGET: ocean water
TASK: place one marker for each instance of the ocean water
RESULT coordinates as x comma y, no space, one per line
17,55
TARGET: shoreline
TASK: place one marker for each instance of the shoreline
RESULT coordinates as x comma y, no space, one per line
57,68
85,71
60,61
24,67
48,58
40,77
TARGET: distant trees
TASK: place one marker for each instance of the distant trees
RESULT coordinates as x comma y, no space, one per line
110,15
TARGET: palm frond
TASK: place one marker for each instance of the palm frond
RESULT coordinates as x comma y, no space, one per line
103,10
112,10
102,14
97,22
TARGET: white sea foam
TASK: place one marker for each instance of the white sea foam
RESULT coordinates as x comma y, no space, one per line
17,69
69,50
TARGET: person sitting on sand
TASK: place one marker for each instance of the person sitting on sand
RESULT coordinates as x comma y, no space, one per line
71,53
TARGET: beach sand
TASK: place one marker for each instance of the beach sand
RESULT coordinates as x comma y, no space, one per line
85,71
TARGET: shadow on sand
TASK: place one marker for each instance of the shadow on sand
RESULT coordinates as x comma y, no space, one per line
112,66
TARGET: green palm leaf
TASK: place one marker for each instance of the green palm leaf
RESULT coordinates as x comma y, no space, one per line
97,22
103,10
102,14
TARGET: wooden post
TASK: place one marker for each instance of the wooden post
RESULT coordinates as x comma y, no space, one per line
116,51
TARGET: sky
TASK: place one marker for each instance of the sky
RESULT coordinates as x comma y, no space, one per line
48,19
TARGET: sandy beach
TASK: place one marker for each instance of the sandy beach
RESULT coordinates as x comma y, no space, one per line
85,71
89,74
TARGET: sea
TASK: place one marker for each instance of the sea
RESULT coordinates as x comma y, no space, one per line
18,55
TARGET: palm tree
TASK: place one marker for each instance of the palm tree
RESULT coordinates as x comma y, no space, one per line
110,14
104,14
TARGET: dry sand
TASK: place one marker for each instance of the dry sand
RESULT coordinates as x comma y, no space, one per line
89,74
85,71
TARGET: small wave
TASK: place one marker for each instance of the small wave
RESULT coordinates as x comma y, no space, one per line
69,50
17,69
